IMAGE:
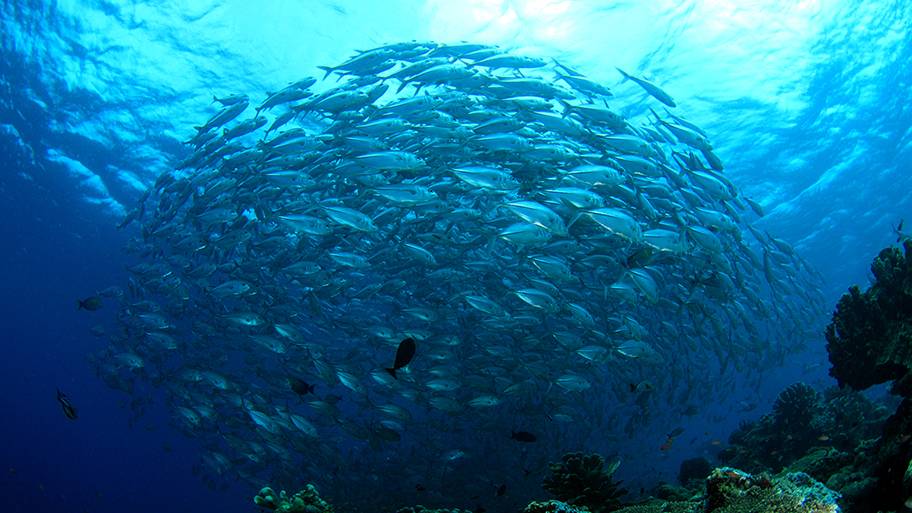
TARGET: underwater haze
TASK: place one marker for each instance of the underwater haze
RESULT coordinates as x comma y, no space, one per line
413,251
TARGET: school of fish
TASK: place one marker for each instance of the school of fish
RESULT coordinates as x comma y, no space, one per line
547,263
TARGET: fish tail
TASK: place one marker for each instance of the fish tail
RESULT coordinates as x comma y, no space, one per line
328,71
80,305
392,372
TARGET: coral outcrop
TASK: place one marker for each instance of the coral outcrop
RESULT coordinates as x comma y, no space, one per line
304,501
552,507
869,340
583,480
729,490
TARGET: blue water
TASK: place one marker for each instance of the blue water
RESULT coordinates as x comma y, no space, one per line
809,107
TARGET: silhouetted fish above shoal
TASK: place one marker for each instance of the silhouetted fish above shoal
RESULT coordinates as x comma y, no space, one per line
404,355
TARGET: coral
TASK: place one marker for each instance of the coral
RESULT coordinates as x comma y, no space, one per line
582,480
794,426
822,462
553,507
729,490
694,469
795,407
869,340
305,501
421,509
848,417
664,506
676,493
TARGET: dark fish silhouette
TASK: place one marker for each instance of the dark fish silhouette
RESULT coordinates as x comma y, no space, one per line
301,387
522,436
501,490
403,356
68,409
90,303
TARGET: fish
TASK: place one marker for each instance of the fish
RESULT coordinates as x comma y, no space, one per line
300,387
653,90
91,303
404,354
68,409
522,436
557,254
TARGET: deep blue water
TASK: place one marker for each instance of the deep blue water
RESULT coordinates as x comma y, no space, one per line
809,108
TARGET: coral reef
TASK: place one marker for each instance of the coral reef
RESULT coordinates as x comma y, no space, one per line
776,439
582,480
304,501
421,509
552,507
836,443
729,490
869,340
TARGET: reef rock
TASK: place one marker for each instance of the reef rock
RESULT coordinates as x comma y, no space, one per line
730,490
304,501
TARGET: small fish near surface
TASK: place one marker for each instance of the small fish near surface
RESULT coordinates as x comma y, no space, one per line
404,355
91,303
68,409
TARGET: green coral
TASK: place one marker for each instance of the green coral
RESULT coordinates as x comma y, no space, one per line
307,500
582,480
553,507
869,340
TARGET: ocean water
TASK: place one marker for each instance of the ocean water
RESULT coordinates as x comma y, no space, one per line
807,105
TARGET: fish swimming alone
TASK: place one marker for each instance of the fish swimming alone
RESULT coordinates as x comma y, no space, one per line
300,387
68,409
403,356
653,90
91,303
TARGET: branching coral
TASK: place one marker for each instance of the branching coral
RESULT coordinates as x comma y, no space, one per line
582,480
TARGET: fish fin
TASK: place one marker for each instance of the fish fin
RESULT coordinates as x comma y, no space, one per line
328,71
628,77
574,220
392,372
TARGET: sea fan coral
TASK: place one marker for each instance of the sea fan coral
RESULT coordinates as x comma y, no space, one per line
582,480
795,408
